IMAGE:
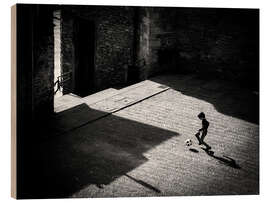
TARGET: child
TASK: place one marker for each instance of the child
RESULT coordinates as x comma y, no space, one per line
204,128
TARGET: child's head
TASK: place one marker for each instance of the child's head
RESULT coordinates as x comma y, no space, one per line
201,115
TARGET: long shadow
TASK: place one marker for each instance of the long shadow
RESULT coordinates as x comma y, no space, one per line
227,97
227,160
95,153
144,184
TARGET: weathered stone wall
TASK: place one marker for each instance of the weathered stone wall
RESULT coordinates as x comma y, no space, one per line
43,69
210,42
67,49
57,51
114,41
143,42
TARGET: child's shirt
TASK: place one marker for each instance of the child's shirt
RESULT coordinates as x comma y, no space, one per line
205,124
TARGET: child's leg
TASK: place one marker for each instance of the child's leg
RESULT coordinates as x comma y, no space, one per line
202,138
207,146
197,135
204,133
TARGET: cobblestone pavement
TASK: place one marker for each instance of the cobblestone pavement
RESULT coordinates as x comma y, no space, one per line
140,150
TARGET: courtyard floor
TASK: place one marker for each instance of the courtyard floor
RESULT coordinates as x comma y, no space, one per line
131,142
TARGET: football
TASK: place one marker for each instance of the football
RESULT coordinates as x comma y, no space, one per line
188,142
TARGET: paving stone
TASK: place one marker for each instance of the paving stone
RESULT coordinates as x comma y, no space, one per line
66,102
140,150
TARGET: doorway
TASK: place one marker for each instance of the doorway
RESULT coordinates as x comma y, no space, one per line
84,70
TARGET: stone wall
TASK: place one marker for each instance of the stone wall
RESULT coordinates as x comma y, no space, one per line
43,68
114,41
143,42
67,48
57,51
209,42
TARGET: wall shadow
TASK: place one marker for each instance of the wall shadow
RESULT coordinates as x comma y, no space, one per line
95,153
147,185
227,97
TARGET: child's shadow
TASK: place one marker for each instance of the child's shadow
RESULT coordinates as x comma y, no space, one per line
227,160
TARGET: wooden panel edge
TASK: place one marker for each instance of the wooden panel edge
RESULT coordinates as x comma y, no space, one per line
13,102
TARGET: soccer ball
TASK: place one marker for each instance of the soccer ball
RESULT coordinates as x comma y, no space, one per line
188,142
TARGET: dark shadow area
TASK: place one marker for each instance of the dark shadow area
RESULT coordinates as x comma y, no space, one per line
84,42
227,97
71,119
144,184
97,152
193,150
227,160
